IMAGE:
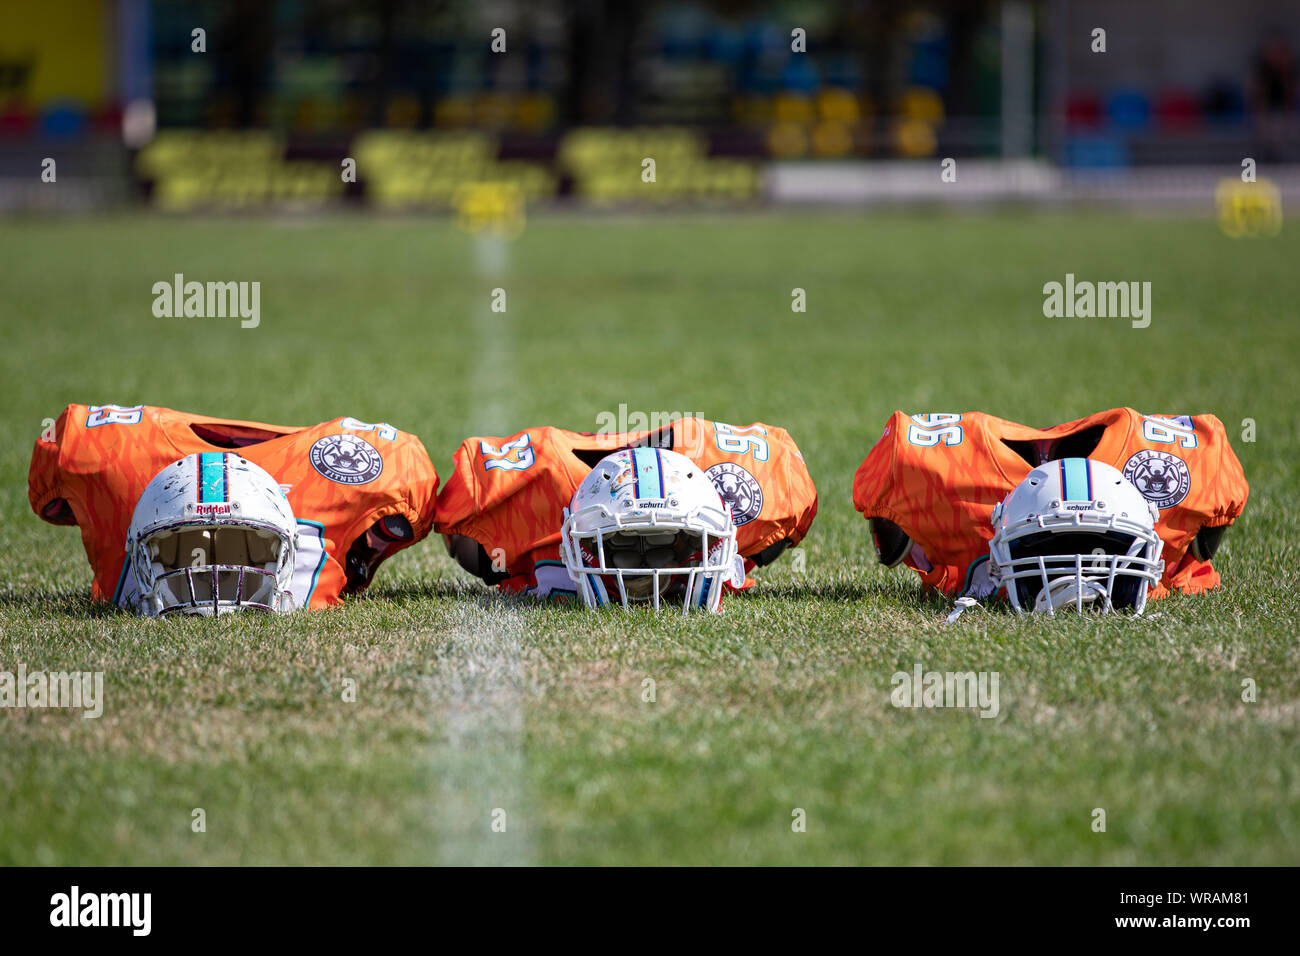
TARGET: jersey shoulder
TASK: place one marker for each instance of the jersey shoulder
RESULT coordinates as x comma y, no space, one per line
759,472
1184,464
936,477
923,461
368,488
490,471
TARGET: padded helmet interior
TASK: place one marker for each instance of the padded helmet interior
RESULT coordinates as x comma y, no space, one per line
1048,544
227,544
637,550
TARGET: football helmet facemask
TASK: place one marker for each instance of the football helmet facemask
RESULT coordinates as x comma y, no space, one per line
648,526
212,534
1075,533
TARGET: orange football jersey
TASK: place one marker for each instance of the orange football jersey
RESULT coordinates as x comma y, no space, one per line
509,494
938,477
350,485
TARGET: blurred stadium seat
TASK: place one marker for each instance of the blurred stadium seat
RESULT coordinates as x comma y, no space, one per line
871,82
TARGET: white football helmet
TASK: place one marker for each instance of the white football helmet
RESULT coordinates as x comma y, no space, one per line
648,524
1075,533
212,533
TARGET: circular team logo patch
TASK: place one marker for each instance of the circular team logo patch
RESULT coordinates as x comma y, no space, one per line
738,489
347,459
1161,477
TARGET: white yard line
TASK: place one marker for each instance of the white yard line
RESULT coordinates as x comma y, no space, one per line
479,686
478,690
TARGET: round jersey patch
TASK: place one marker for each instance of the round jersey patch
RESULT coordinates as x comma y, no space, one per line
1161,477
739,490
347,459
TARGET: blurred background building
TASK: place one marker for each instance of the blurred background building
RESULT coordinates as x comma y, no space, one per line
200,103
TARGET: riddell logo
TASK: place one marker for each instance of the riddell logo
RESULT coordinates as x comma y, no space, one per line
220,509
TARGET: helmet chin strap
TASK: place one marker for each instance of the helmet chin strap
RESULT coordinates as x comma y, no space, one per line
1069,591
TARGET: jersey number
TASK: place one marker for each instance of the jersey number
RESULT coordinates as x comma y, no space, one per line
737,441
114,415
494,457
937,429
1166,431
382,429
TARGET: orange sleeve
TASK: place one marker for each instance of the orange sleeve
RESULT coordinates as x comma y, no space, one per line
1231,487
794,492
1216,497
508,494
458,499
44,476
411,488
872,481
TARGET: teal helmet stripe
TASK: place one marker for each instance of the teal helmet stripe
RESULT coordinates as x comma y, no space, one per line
1076,480
212,477
649,473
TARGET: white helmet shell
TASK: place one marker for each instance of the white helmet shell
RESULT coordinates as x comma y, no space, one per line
644,521
1075,533
212,534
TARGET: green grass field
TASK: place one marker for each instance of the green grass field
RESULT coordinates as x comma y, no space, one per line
469,702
